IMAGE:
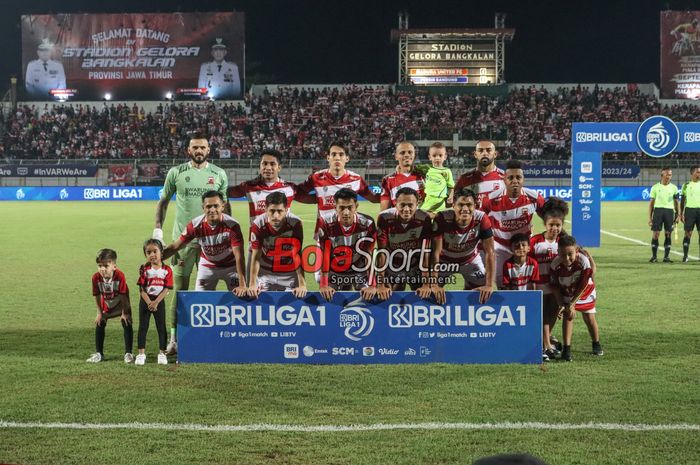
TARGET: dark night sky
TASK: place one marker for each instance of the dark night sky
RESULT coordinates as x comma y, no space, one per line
348,41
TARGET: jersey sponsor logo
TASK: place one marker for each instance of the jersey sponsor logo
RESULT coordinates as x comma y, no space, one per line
658,136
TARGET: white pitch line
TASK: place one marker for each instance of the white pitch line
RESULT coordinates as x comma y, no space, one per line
264,427
637,241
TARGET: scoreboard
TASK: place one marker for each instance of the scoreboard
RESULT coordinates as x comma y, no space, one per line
451,62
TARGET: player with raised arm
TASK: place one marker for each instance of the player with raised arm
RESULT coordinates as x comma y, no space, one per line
571,277
486,177
275,236
347,239
457,235
663,212
407,229
511,210
189,181
690,208
221,245
405,175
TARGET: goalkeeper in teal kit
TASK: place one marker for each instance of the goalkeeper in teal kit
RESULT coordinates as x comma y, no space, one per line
439,183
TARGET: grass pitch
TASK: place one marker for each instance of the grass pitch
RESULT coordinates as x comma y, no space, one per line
650,330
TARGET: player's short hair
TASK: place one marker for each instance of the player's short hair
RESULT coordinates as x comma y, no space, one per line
273,153
339,143
514,164
466,192
275,198
555,207
198,135
437,145
567,240
211,194
693,168
665,168
407,191
345,194
518,238
489,141
106,255
152,241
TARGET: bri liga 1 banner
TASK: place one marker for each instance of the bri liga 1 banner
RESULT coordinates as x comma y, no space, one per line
133,56
217,327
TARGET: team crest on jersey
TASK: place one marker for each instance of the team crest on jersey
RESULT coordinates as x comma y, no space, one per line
211,180
187,179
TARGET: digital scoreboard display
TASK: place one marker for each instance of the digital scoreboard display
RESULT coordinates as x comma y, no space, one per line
451,62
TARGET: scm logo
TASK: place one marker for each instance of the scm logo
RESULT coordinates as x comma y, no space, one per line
343,351
202,315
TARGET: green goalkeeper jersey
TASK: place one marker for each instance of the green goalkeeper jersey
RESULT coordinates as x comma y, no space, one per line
691,192
664,195
189,184
438,181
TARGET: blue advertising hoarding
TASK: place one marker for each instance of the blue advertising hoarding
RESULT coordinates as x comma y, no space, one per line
217,327
585,197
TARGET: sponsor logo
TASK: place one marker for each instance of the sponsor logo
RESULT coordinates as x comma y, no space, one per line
309,351
658,136
586,216
291,351
63,194
586,194
202,315
646,194
409,316
357,320
368,351
208,315
20,194
409,352
22,171
582,137
586,167
424,351
691,137
343,351
385,351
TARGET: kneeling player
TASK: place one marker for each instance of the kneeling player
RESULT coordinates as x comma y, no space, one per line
275,239
571,277
341,237
402,258
457,235
221,242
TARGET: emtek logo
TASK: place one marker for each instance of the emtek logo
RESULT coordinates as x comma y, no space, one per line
658,136
202,315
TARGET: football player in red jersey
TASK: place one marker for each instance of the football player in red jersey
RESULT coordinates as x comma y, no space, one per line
486,177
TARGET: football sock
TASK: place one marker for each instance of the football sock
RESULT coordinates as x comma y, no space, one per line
128,337
654,247
686,246
667,247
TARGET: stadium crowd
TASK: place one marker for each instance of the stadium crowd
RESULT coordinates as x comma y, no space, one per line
533,122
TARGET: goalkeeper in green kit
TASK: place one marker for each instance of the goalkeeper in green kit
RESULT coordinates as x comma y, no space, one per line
439,183
188,181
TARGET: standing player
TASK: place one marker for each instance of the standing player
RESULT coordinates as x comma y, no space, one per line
189,181
439,184
520,272
457,234
663,211
511,210
339,238
690,208
221,242
404,176
571,277
486,177
409,229
329,181
267,234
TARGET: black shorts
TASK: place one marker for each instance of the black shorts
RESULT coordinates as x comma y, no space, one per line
692,219
662,217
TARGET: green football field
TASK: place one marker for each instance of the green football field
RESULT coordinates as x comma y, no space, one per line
638,404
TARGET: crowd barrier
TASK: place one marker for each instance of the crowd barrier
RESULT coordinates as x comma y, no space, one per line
609,193
217,327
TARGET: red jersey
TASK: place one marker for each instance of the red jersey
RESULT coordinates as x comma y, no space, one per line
263,237
393,234
256,190
509,217
517,277
570,280
326,185
544,252
482,184
391,183
459,245
217,243
109,290
154,281
338,235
